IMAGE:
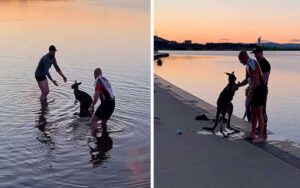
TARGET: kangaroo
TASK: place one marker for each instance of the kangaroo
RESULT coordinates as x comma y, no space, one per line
224,105
84,99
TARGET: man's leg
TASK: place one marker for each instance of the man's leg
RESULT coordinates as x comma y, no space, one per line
248,107
44,87
261,122
104,126
94,125
265,116
248,113
253,121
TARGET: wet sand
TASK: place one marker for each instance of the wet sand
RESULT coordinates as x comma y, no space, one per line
199,159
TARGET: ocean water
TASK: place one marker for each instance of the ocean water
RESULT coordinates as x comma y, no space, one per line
202,74
49,146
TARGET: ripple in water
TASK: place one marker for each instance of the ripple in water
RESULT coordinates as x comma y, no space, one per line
42,144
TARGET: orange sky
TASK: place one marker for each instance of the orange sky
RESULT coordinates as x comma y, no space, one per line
70,24
228,20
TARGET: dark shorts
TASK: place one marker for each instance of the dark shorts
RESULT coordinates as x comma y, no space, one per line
105,110
259,97
40,78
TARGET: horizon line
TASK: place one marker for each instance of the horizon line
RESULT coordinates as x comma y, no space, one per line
263,42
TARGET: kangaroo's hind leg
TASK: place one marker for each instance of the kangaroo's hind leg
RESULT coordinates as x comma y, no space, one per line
216,123
222,124
230,111
81,112
84,108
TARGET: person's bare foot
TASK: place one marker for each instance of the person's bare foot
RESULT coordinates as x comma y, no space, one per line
258,139
250,137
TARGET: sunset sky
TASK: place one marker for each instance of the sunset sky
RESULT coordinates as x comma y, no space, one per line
228,20
78,27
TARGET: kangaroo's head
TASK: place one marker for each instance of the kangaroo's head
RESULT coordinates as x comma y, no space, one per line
231,77
75,85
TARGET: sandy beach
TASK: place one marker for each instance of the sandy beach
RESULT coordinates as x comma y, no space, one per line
197,158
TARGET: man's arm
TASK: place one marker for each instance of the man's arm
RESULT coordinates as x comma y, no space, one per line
252,88
244,82
59,71
45,67
265,76
50,78
95,100
62,75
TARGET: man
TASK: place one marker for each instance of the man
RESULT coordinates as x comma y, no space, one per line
266,70
42,71
103,90
252,78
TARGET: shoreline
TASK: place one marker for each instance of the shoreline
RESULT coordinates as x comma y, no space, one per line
285,150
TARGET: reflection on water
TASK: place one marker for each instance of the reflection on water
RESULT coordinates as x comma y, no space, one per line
202,74
45,136
47,145
98,153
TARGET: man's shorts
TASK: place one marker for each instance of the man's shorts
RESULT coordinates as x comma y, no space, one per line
259,97
40,78
105,110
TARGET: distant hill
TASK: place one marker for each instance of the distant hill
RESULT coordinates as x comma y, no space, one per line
281,46
164,44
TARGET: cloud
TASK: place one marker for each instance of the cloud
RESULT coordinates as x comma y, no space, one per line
224,39
295,40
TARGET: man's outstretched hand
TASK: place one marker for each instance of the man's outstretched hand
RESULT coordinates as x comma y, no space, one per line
54,82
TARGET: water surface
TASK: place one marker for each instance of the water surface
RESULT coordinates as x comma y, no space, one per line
49,146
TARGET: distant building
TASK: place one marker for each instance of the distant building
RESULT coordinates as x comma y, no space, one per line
188,42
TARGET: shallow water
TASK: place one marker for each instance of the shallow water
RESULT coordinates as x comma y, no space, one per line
49,146
202,74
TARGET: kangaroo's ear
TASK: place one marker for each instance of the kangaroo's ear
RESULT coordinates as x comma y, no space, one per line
79,83
232,72
227,73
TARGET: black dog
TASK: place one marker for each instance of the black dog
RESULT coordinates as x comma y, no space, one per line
224,105
84,99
